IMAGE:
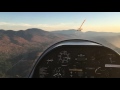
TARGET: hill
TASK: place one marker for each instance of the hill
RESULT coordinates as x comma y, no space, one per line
20,49
21,46
108,39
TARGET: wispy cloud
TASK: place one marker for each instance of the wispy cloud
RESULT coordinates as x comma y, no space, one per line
14,24
18,26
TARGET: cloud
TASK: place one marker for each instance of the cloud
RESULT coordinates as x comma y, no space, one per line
13,24
49,27
4,23
60,26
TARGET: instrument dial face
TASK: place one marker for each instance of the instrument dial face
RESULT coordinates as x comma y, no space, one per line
58,72
64,58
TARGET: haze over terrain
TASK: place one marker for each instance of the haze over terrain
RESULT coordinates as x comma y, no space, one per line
109,39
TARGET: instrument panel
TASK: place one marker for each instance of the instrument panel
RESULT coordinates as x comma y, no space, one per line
79,61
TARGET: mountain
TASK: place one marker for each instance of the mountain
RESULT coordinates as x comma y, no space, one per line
88,33
20,49
23,45
66,32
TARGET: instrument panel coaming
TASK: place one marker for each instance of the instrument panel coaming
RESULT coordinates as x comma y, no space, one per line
79,61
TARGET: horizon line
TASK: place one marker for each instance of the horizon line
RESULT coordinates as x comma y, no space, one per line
56,30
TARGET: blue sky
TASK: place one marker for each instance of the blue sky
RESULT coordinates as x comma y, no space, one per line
50,21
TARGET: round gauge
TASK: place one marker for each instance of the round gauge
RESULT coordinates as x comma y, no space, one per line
58,72
64,58
94,62
111,58
80,58
102,72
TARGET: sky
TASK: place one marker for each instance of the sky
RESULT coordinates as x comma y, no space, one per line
52,21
